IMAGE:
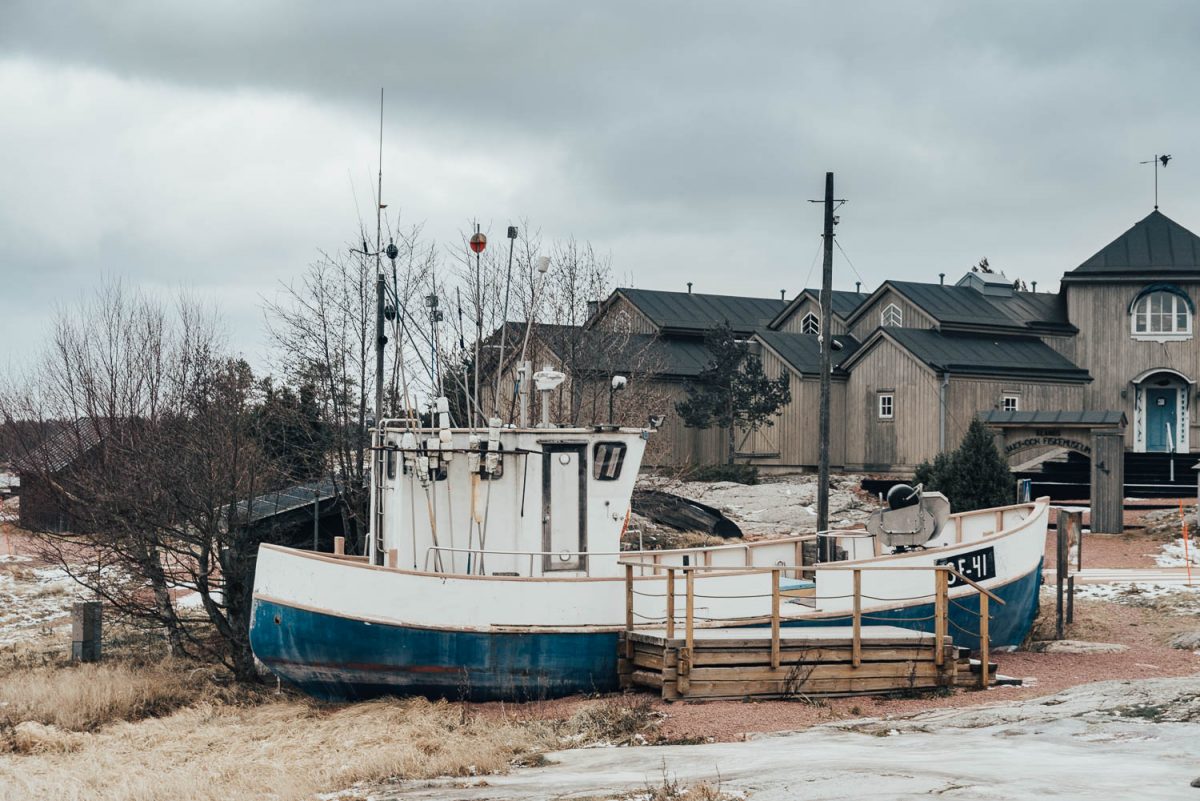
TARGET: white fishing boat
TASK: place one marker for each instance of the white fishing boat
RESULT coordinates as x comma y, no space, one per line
495,571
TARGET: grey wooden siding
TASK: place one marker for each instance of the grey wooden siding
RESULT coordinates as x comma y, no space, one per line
793,442
622,315
967,397
1106,349
792,324
912,436
869,321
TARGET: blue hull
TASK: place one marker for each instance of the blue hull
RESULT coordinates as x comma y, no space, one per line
337,658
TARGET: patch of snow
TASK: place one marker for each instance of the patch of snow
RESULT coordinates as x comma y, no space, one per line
1177,599
1173,554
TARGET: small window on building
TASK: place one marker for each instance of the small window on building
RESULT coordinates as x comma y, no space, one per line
607,458
1162,313
891,316
810,324
1010,403
887,406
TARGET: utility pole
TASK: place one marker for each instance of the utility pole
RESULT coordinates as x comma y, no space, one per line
824,545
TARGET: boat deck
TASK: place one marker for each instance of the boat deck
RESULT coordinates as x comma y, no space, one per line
736,663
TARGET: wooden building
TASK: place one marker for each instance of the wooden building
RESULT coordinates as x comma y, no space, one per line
915,362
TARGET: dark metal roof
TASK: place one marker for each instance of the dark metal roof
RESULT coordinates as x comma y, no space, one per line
974,354
803,351
844,302
688,311
1156,245
1093,418
965,305
272,504
63,447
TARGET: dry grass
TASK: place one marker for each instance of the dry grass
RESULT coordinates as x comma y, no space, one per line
122,732
87,697
287,750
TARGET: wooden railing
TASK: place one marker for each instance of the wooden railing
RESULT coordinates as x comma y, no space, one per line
941,601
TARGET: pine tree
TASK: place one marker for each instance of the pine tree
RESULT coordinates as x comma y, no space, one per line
732,391
975,476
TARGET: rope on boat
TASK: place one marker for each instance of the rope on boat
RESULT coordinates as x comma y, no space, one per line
908,598
965,630
894,620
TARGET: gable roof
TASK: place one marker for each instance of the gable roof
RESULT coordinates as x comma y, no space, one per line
62,447
844,304
977,354
802,352
670,356
965,307
1155,246
692,312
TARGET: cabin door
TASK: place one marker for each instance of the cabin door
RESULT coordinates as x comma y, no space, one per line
564,506
1162,434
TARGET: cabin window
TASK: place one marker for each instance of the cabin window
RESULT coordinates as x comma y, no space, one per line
887,406
810,324
607,459
891,316
1010,403
1161,313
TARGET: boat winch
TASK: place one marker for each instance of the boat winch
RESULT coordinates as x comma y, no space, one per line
911,519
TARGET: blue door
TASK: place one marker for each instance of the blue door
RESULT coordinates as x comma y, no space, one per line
1161,419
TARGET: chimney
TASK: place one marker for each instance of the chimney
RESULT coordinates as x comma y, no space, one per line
1035,286
783,294
858,287
941,279
689,287
592,307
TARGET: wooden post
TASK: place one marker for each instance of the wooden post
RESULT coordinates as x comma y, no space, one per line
393,559
628,611
1070,599
691,607
856,641
1066,524
940,613
984,640
339,546
85,632
670,604
774,618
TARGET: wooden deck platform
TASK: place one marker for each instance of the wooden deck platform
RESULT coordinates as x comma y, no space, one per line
736,663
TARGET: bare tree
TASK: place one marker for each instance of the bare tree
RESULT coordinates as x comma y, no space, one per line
154,460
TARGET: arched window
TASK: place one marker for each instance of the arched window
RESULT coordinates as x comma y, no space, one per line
1161,311
891,316
810,324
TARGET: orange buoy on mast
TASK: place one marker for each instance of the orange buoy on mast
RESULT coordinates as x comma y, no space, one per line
478,242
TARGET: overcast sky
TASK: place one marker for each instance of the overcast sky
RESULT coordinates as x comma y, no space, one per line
219,145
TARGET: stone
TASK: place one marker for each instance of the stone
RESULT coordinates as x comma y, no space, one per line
1187,641
1078,647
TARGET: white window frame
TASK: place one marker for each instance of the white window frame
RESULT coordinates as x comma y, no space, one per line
891,316
1142,312
1010,396
885,405
815,324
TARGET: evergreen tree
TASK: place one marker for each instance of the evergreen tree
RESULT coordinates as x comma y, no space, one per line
732,391
976,476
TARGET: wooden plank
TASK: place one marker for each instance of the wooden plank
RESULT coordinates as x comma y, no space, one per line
761,638
791,656
983,640
940,610
774,617
782,689
670,604
690,620
645,678
802,674
628,611
856,646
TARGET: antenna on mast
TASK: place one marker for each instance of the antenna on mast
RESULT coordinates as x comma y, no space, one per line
1156,161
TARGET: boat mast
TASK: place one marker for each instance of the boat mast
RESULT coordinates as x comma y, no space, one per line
825,547
377,456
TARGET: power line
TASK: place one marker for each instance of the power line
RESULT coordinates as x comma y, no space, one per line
852,267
